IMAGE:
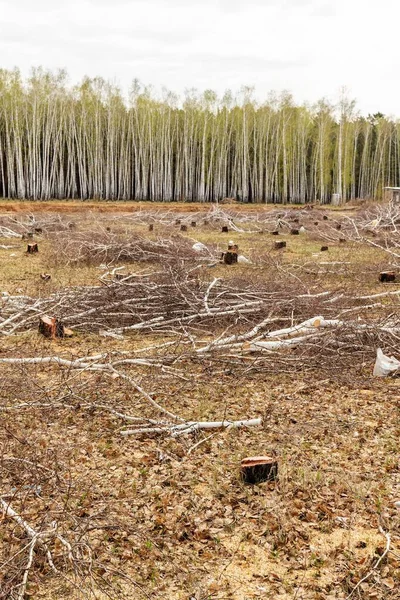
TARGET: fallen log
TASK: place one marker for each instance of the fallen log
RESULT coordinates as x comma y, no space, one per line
191,426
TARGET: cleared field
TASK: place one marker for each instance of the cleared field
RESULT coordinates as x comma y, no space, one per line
167,338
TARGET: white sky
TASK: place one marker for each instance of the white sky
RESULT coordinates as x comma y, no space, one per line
309,47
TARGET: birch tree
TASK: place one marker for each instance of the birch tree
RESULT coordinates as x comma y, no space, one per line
89,141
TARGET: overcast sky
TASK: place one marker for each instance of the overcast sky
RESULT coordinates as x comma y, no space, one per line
309,47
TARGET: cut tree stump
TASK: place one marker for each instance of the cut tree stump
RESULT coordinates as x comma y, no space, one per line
342,241
294,232
50,327
183,227
38,230
225,229
151,227
338,227
256,469
279,245
230,258
193,224
325,217
387,276
32,248
316,223
324,248
276,232
296,220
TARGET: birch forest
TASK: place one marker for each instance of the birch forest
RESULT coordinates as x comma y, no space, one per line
90,141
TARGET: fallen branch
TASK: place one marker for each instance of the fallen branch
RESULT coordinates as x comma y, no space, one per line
192,426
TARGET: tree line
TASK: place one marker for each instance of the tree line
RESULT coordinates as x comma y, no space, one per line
89,141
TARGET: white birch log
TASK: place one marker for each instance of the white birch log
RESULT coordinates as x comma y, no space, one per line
191,426
306,327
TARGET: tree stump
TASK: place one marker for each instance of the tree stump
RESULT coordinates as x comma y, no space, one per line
183,227
296,220
324,248
342,241
294,232
325,217
316,223
387,276
32,248
108,229
230,258
50,327
338,227
279,245
151,227
193,224
256,469
276,232
225,229
38,230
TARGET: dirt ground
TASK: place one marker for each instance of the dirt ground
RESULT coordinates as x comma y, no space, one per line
169,518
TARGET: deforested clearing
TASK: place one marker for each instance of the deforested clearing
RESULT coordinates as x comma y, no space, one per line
121,444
